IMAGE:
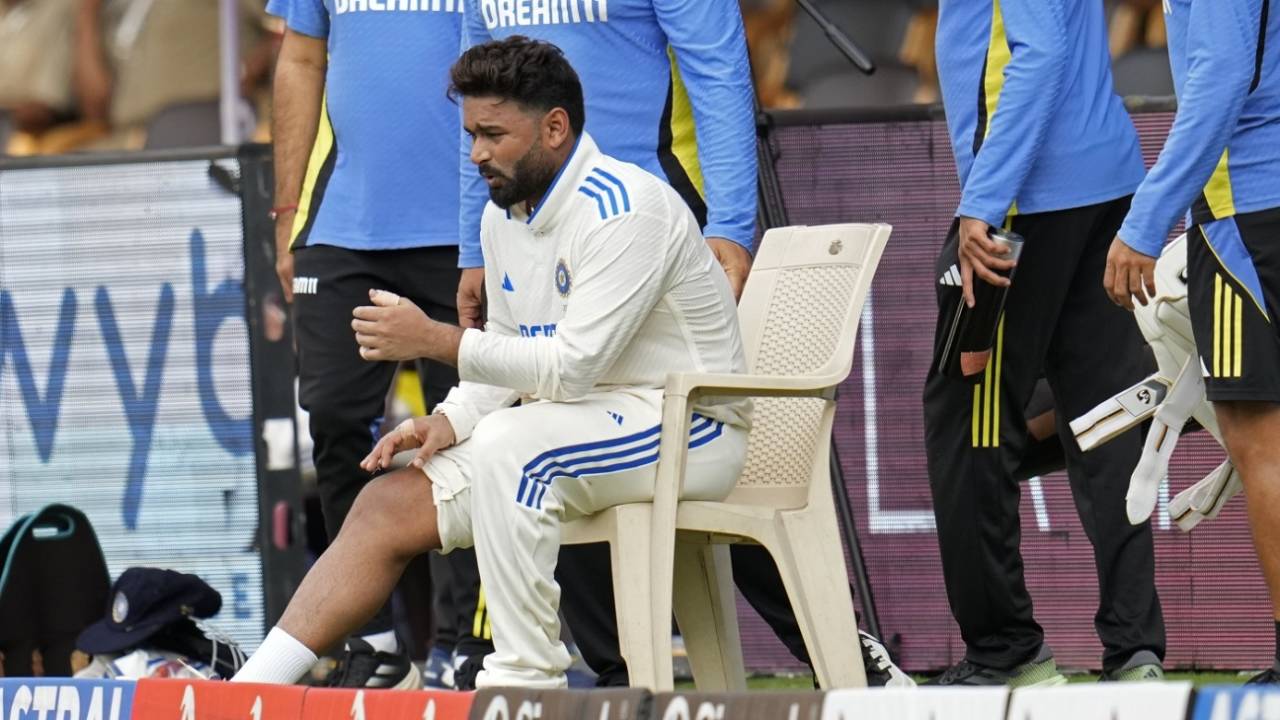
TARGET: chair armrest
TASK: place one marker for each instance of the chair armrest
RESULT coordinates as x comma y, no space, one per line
673,453
707,384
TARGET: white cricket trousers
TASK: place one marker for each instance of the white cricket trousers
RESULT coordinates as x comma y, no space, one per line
525,469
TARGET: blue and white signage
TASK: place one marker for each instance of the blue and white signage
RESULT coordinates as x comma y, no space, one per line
1236,702
124,369
65,699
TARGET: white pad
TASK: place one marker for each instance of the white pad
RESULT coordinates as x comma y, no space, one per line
1166,324
1127,408
1205,499
1144,485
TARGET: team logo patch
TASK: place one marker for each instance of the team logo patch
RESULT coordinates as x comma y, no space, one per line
119,608
564,281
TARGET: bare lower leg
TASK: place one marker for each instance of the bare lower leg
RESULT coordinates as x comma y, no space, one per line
1251,431
393,520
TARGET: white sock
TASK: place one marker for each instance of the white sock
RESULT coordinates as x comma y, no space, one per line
280,660
383,642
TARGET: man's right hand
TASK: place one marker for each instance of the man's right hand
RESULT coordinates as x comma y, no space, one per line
429,434
470,298
284,258
980,256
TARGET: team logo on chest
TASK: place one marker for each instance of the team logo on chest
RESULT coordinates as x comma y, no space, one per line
564,281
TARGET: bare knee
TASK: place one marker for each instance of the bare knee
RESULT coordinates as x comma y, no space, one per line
1249,429
396,512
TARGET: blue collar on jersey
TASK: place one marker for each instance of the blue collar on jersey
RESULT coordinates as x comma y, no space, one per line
550,188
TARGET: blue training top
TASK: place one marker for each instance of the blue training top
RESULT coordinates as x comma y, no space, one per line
388,137
1035,124
1222,155
641,62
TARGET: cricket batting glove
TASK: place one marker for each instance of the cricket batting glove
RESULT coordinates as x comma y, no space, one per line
1169,397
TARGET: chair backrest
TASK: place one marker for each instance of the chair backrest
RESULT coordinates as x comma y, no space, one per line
799,315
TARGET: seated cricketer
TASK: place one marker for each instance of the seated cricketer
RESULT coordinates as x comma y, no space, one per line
600,285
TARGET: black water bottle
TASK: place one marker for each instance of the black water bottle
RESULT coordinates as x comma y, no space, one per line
972,331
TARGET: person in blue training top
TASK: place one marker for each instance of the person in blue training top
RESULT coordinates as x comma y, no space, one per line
668,87
364,145
1043,147
1221,162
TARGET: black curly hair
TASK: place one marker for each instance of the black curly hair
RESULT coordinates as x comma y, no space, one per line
531,72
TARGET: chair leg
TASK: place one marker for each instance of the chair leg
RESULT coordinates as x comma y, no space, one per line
648,656
811,561
707,613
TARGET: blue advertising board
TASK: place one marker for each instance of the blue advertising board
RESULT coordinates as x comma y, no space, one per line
1237,702
125,368
65,699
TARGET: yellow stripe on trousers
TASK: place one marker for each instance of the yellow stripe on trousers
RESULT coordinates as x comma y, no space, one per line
1228,329
1228,339
986,398
478,624
1217,325
995,406
977,414
1238,351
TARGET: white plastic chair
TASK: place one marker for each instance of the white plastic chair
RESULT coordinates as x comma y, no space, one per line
799,315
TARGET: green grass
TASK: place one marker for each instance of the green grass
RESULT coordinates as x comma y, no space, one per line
805,681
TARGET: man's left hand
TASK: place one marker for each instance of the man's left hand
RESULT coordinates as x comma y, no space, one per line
393,328
736,261
1129,273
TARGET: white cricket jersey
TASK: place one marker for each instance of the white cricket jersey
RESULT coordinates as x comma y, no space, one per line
608,284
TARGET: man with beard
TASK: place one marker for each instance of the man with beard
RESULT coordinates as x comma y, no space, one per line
593,302
361,125
668,84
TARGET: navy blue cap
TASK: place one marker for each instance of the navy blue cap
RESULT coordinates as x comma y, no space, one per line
143,601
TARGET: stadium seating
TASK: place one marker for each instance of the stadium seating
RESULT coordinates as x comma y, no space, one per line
6,129
187,124
799,315
824,78
1143,72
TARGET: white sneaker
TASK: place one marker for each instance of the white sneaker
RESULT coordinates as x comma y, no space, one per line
881,672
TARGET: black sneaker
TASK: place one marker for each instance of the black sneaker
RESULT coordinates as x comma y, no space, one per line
1143,666
1270,676
363,667
881,672
465,670
969,673
1041,671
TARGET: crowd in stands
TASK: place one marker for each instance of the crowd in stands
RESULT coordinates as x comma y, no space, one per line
99,74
